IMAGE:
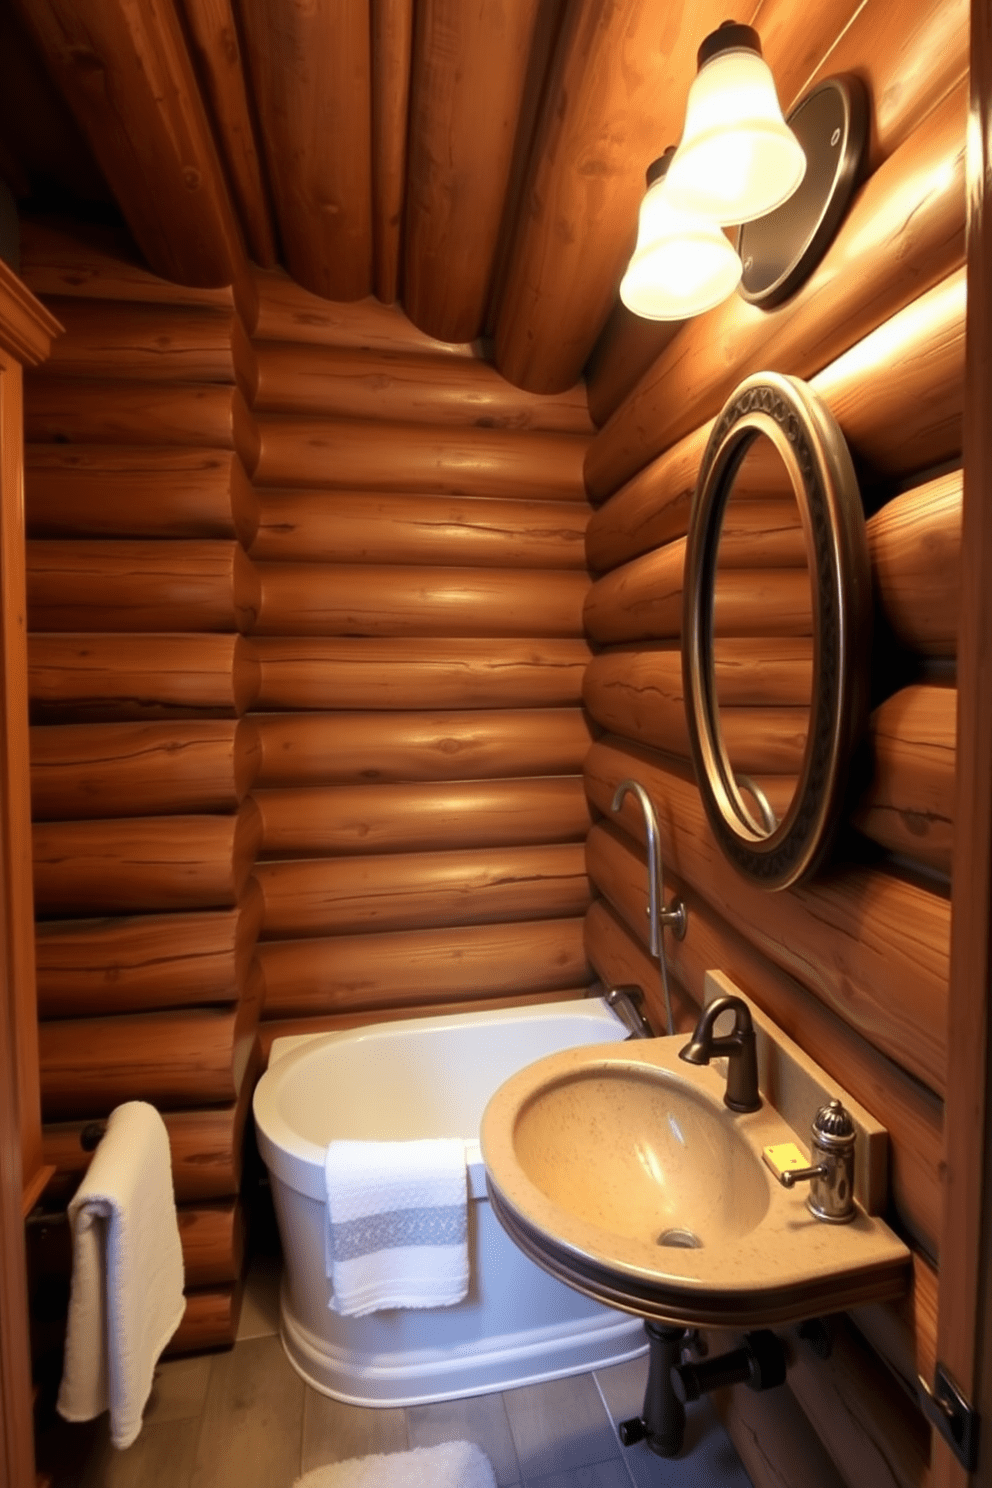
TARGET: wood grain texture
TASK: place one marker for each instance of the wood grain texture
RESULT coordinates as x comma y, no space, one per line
614,99
127,76
475,745
344,454
217,51
445,531
410,968
905,1333
138,863
908,804
172,1059
110,491
110,584
419,817
67,410
909,62
205,1147
392,47
904,235
213,1241
111,677
911,1114
310,599
914,543
209,1322
391,385
377,672
288,312
848,937
413,891
87,260
775,1439
153,343
144,962
132,769
310,69
469,75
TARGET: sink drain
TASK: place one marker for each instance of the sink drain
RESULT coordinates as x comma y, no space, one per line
680,1239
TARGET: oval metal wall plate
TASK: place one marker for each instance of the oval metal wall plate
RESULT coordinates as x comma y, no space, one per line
780,251
803,430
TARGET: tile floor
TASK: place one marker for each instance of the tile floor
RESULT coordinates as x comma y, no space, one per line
244,1419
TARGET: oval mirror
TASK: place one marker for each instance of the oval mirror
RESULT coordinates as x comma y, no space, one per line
776,626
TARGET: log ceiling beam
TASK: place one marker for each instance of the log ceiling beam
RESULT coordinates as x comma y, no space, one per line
392,46
124,70
214,34
310,66
469,76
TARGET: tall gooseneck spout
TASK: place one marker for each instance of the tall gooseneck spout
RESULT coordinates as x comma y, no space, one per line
658,916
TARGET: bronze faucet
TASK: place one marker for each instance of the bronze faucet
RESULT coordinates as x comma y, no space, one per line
739,1046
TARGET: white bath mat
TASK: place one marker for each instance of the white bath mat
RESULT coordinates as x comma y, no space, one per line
458,1464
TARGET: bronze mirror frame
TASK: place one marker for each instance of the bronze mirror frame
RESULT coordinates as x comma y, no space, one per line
814,452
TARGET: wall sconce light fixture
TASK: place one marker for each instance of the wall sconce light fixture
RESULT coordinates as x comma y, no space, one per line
682,264
738,158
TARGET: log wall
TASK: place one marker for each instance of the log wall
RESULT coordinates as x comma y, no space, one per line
307,648
854,964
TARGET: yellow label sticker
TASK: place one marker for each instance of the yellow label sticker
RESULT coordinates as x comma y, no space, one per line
784,1157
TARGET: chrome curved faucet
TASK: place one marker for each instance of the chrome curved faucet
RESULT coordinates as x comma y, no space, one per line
675,916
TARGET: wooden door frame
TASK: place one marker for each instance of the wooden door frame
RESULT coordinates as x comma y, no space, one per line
964,1328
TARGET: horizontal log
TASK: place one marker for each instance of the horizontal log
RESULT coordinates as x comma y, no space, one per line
620,959
413,968
119,677
142,963
903,235
908,804
643,600
288,312
420,818
134,586
310,599
401,673
213,1241
150,343
193,1058
342,748
416,891
915,546
404,388
761,533
88,260
209,1322
897,396
141,863
396,457
851,936
269,1031
912,1116
109,491
206,1148
132,769
67,410
369,527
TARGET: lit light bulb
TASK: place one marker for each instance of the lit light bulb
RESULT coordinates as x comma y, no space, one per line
738,159
682,264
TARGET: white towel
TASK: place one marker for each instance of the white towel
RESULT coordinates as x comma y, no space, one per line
397,1232
451,1465
127,1273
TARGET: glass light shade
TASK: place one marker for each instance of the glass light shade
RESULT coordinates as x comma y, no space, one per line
682,264
738,159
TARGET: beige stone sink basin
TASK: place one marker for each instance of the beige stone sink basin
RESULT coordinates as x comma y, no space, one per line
618,1168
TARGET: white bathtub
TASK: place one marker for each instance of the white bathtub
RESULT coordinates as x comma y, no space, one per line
424,1077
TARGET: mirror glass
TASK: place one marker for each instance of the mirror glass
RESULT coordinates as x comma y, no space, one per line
776,628
762,637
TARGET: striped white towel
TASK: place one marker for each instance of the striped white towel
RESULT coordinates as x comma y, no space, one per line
397,1232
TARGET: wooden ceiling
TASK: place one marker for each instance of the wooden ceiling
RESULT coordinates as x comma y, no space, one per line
481,161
